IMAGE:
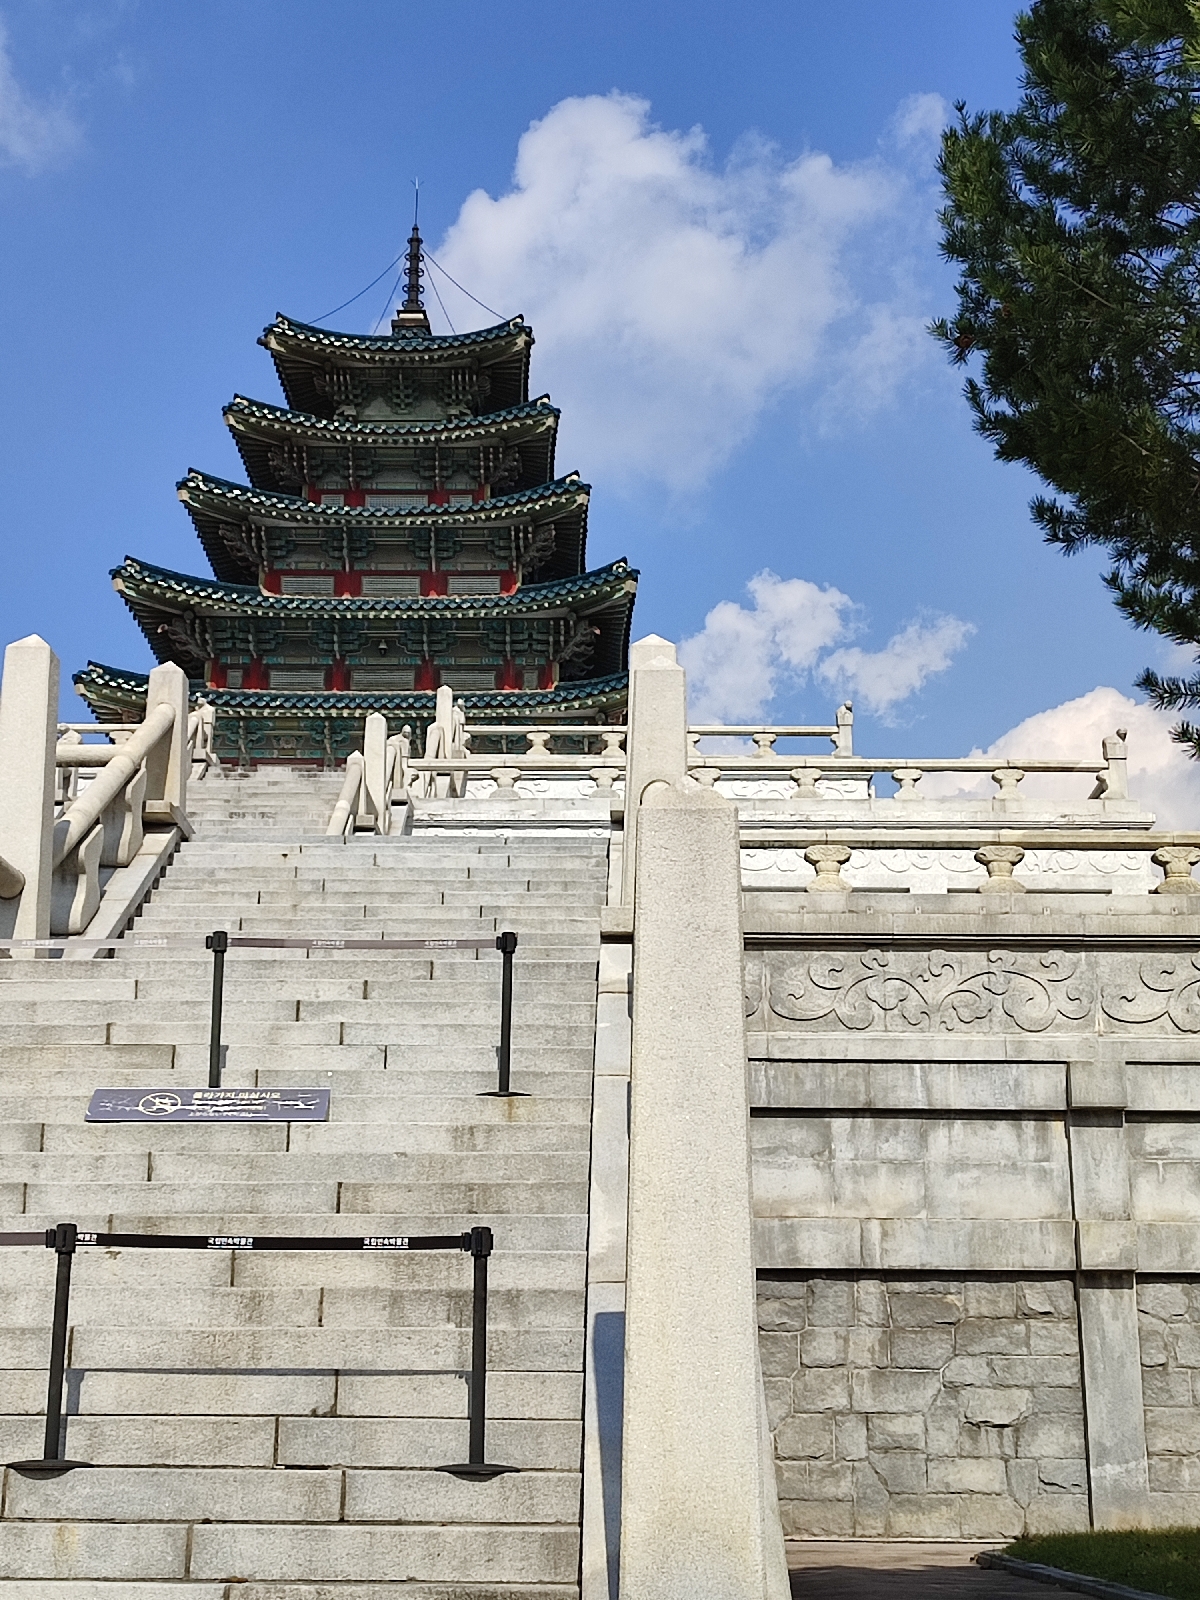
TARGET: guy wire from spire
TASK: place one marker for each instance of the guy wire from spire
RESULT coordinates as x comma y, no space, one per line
387,304
438,298
323,317
491,310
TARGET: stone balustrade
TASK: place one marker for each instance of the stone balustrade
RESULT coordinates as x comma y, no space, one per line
451,769
72,851
816,779
376,776
764,735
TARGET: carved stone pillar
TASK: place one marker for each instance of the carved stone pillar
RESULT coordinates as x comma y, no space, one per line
828,859
1177,862
1000,859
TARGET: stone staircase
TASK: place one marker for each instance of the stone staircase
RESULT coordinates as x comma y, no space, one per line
268,1427
264,803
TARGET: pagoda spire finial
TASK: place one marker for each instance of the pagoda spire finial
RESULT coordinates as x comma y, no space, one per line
413,273
412,313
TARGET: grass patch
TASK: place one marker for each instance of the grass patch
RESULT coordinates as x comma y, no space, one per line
1164,1562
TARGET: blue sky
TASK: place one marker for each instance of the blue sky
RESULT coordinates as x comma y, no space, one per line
722,226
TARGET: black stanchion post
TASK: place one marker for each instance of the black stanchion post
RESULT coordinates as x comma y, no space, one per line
218,943
477,1465
62,1241
481,1249
506,943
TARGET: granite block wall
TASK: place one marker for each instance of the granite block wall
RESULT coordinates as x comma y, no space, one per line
1169,1336
938,1408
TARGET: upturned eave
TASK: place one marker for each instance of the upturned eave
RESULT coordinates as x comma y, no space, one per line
114,690
141,582
259,429
285,334
199,490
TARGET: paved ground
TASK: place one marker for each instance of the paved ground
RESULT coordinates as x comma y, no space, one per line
861,1571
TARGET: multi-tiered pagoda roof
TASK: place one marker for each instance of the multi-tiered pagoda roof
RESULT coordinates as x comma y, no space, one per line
402,528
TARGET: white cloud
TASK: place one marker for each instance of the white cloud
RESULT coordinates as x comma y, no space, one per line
1161,777
919,121
880,679
735,663
675,300
743,655
33,135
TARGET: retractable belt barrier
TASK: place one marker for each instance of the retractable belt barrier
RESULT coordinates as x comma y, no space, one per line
93,944
220,941
66,1238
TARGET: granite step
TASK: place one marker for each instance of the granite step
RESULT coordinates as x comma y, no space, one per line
312,1392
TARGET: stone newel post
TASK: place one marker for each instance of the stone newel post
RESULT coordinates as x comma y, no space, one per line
28,735
700,1510
656,744
167,765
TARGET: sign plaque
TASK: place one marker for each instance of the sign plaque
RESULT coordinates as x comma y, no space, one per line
209,1105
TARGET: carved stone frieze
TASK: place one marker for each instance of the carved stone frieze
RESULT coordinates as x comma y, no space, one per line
1153,989
979,991
933,991
753,983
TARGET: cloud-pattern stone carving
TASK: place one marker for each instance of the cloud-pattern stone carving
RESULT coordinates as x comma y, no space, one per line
752,985
1155,987
936,991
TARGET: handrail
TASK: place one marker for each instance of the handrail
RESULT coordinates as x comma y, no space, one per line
347,800
81,816
524,763
721,731
12,880
843,766
871,836
86,755
553,728
764,734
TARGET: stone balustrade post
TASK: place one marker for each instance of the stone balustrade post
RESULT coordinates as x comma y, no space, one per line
907,779
806,779
699,1504
656,745
1116,775
375,804
1177,862
828,861
440,740
167,765
1006,780
1000,859
28,736
843,739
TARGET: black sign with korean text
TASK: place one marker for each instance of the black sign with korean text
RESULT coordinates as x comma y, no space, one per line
209,1105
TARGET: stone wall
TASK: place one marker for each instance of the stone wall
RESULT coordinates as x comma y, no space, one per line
1169,1329
976,1172
938,1408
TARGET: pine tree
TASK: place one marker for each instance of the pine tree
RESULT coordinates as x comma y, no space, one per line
1075,221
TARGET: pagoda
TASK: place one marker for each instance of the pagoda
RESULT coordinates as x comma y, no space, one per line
402,528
